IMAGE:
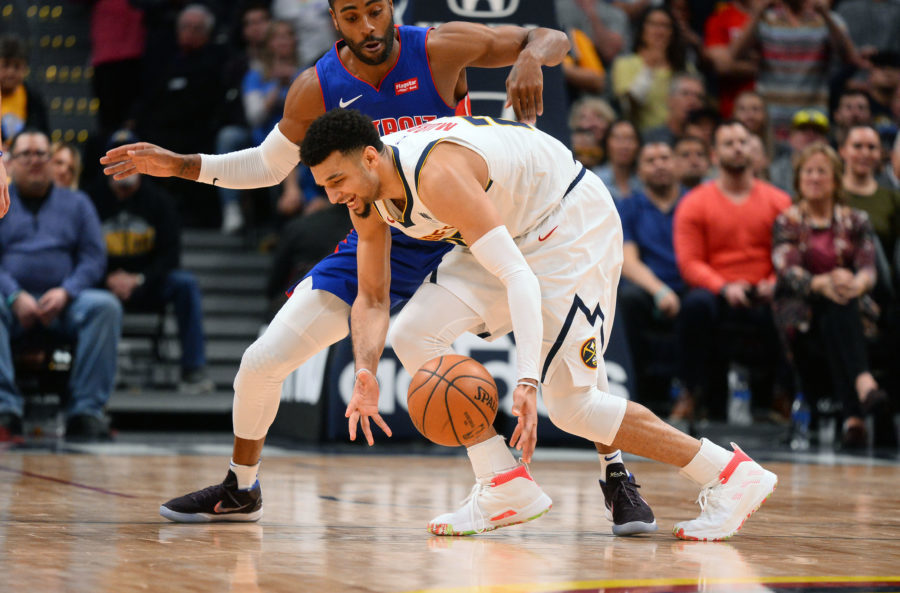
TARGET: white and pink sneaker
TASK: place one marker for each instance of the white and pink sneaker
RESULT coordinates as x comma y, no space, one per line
728,501
506,499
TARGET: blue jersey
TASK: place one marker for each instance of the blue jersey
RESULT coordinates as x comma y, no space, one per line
404,98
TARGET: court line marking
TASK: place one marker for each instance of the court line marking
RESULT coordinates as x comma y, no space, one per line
569,586
65,482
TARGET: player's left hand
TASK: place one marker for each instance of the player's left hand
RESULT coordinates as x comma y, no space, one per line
524,437
524,89
364,405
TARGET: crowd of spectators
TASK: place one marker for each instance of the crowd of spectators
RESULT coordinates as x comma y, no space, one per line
750,145
752,149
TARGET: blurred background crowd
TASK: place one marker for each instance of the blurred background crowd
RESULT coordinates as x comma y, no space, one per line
751,147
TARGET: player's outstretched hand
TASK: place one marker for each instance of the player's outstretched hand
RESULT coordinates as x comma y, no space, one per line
141,157
364,405
524,437
524,89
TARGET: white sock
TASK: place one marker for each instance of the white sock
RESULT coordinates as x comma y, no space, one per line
246,474
609,458
707,464
491,457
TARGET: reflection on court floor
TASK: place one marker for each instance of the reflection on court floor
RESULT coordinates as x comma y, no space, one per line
88,522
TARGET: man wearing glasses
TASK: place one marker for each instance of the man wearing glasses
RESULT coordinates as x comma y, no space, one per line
51,255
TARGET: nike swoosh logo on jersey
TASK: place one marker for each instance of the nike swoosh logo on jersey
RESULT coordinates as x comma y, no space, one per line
219,509
544,238
343,104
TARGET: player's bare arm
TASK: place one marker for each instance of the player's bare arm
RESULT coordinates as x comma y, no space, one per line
369,319
452,185
454,46
303,105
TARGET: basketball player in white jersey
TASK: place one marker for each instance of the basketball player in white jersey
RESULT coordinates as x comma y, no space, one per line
540,252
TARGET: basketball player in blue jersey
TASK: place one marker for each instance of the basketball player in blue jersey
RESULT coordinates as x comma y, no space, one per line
401,77
543,257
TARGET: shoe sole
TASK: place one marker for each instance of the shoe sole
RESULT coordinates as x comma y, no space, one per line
447,530
209,517
679,533
634,528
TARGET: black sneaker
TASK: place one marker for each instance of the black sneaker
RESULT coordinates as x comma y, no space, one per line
11,428
629,513
86,428
222,502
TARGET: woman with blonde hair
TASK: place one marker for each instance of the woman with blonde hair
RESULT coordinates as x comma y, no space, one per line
824,258
65,162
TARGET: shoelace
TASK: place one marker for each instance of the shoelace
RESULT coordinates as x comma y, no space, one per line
709,497
209,491
472,501
630,489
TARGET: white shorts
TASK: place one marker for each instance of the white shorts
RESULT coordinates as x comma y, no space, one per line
576,254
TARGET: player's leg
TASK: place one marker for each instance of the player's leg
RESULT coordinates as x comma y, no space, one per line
310,321
628,511
732,485
504,492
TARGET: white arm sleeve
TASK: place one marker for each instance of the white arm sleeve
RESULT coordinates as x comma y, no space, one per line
262,166
497,252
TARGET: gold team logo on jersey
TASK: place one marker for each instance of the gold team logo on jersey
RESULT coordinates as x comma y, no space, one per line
589,353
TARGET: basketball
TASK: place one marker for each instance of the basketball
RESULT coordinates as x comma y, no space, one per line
452,400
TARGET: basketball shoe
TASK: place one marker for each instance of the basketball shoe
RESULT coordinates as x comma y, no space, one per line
729,500
509,498
222,502
629,512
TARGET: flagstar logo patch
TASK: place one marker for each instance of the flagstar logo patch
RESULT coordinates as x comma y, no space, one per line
406,86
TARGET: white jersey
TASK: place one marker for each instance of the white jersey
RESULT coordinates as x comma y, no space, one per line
530,172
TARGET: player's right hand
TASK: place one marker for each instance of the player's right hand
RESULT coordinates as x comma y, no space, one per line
364,405
141,157
525,88
524,437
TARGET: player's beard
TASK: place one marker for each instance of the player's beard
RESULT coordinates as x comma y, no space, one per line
366,211
358,49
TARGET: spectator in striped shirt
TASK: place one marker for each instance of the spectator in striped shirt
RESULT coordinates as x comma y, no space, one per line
796,40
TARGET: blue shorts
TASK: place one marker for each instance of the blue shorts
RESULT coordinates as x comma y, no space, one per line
412,261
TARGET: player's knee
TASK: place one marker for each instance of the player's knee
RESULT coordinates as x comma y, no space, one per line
261,361
407,344
586,412
413,346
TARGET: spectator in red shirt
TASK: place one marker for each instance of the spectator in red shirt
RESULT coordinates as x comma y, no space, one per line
723,245
735,75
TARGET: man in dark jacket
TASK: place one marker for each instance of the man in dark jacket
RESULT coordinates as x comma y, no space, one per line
51,255
143,242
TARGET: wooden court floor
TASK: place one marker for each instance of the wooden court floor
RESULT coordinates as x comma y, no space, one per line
346,523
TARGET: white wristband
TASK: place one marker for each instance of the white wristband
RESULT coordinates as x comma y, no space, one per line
366,371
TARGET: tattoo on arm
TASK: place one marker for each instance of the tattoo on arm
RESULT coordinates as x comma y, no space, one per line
190,167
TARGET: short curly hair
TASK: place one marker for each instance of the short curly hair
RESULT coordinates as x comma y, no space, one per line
342,130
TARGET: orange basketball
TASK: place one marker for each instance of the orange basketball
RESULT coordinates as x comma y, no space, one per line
452,399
